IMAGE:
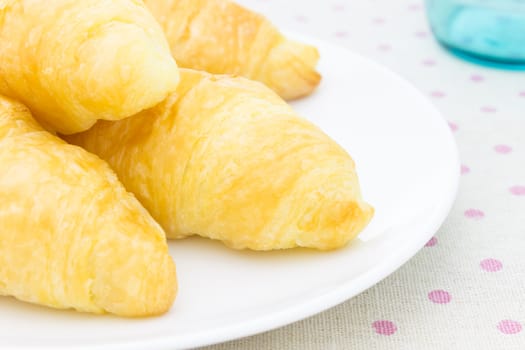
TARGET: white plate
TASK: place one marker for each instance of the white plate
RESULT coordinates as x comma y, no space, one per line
409,169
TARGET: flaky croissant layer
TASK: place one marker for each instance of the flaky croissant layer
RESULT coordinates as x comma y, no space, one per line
73,62
226,158
222,37
71,236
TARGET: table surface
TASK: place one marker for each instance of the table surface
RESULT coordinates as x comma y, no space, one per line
466,288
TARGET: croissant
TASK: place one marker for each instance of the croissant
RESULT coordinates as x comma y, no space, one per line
221,37
226,158
73,62
71,236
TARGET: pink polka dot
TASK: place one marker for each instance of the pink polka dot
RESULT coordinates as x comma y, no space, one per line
421,34
517,190
491,265
384,47
338,7
509,327
384,327
439,296
432,242
503,149
437,94
379,20
477,78
522,94
428,62
415,7
453,126
489,109
464,169
475,214
341,34
301,19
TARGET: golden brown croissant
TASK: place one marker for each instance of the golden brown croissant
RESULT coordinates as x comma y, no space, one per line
73,62
222,37
70,234
226,158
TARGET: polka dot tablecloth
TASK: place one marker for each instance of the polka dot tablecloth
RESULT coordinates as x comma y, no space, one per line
466,288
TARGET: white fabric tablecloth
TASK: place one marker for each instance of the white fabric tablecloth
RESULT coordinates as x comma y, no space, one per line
466,288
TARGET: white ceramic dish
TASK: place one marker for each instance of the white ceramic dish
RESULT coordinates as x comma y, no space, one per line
409,169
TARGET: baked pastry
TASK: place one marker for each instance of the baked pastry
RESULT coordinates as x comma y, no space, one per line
226,158
71,236
73,62
222,37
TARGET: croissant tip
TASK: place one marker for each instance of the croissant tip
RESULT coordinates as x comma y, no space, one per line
151,300
142,278
333,224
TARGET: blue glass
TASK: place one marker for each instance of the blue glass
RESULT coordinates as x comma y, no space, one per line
490,32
